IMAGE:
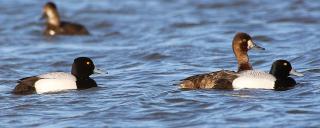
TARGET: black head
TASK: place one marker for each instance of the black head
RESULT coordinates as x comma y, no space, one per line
82,67
282,69
243,42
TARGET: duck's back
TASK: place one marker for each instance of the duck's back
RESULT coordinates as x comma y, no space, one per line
215,80
254,79
70,28
26,86
66,28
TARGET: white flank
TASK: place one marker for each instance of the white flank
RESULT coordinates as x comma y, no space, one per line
51,32
56,81
254,79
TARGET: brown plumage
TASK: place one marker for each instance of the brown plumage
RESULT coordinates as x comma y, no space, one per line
25,86
216,80
66,28
241,44
55,26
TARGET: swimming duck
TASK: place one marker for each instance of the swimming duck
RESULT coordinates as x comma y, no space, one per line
82,68
57,27
277,79
241,44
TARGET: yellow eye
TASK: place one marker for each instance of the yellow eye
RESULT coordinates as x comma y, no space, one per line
87,62
285,64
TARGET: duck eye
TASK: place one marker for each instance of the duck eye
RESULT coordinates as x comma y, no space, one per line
88,63
285,64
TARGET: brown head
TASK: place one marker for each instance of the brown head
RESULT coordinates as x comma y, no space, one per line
241,44
51,13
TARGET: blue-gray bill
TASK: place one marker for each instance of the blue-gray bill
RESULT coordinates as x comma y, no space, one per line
294,72
257,47
98,72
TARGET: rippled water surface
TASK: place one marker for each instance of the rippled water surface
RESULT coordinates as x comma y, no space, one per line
147,46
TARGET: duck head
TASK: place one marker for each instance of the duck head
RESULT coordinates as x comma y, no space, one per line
82,67
51,13
241,44
282,69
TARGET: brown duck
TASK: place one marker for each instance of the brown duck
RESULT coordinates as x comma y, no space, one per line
241,44
57,27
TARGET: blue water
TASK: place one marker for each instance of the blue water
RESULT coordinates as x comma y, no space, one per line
147,47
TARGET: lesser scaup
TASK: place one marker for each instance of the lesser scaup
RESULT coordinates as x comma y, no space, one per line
241,44
82,68
278,77
57,27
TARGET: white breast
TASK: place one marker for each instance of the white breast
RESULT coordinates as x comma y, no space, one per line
254,79
56,81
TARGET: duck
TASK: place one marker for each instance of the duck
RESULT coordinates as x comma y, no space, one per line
241,44
277,79
82,68
55,26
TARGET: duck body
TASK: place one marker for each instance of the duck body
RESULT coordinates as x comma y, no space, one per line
55,26
277,79
214,80
50,82
65,28
79,78
241,44
254,79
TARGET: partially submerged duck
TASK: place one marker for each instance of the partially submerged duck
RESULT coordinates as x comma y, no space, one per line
277,79
55,26
241,44
82,68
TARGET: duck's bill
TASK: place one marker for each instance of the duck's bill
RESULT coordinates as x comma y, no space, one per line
99,71
252,45
256,47
294,72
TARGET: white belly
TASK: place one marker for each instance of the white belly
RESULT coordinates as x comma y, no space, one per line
255,80
53,82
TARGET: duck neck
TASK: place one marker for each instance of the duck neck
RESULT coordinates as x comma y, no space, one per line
279,75
243,63
82,78
53,18
79,77
243,59
86,83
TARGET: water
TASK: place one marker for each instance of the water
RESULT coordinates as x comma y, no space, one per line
147,47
